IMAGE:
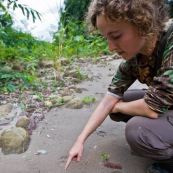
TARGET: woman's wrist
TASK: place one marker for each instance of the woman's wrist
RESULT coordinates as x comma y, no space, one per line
81,139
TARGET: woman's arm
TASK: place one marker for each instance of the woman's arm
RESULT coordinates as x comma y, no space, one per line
99,115
137,107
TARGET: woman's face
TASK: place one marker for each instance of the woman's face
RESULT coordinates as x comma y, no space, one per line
122,37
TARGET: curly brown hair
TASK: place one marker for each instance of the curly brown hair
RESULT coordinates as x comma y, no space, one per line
148,15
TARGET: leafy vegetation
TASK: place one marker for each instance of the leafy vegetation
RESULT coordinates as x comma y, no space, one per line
78,42
74,10
27,11
21,53
88,99
72,35
19,57
105,156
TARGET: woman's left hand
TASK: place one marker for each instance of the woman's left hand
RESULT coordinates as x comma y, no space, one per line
135,108
115,110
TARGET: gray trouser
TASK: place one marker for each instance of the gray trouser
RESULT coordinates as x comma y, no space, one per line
152,138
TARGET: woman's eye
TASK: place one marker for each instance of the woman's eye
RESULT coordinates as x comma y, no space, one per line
116,37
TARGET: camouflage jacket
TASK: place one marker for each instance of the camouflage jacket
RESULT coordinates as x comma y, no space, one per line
159,95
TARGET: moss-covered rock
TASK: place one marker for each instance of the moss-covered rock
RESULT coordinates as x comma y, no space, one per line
75,103
14,141
23,122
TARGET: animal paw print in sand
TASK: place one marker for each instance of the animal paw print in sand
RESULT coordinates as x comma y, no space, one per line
101,133
62,161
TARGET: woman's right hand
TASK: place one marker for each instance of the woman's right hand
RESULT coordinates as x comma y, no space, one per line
99,115
75,153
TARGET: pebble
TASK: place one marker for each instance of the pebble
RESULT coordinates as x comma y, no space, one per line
41,152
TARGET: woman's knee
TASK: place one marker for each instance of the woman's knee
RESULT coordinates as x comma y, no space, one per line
132,132
145,141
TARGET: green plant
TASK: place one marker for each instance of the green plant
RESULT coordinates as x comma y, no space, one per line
105,156
80,73
27,11
78,42
11,80
88,99
39,94
60,102
70,41
22,106
54,84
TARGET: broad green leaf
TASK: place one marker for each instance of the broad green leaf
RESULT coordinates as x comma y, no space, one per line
6,76
2,7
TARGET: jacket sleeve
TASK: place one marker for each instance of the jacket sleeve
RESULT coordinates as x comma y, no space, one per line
122,80
160,94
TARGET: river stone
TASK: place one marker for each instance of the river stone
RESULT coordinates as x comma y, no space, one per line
67,98
55,97
48,104
48,64
5,109
51,97
14,141
65,92
78,90
64,61
23,122
109,59
57,101
73,73
75,103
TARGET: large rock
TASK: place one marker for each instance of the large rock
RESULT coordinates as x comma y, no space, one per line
14,141
5,110
75,103
23,122
67,98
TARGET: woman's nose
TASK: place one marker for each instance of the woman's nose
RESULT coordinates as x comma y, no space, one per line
112,45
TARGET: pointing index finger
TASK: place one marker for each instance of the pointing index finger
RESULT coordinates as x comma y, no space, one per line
68,162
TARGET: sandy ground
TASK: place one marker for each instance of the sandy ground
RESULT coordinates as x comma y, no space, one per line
60,128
